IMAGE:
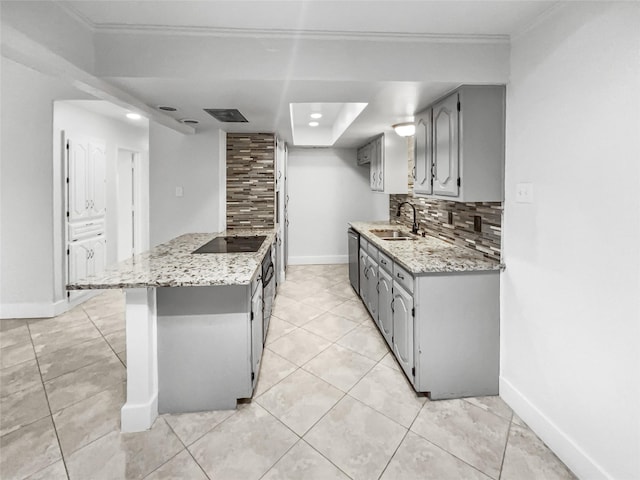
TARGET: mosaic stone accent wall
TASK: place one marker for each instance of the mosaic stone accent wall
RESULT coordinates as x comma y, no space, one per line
433,218
250,180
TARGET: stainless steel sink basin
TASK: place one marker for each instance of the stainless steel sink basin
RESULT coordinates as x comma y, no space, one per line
388,234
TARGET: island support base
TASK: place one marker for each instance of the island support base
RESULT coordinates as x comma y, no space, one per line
141,408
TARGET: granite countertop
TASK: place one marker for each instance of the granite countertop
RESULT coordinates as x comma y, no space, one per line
426,254
172,264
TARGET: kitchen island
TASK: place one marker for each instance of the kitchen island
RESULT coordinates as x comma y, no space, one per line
194,329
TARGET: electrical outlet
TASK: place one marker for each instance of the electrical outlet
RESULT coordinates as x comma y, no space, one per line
524,193
477,223
179,191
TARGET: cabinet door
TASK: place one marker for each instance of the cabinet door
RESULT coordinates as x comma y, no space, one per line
372,279
97,180
97,256
374,169
256,334
79,257
445,147
423,155
377,161
403,328
364,284
385,319
77,174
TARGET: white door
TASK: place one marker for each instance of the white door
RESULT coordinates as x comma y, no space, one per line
77,176
97,181
126,207
79,255
97,256
445,144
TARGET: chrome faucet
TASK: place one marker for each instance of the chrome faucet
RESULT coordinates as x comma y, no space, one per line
414,228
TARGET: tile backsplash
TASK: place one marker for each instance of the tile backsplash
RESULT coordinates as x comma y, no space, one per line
250,180
433,217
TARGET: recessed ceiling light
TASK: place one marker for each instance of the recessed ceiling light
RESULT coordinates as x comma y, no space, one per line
316,115
167,108
313,124
134,116
190,121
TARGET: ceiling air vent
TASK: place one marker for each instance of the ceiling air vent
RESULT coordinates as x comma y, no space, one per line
227,115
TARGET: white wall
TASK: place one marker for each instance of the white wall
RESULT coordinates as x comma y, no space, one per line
570,364
327,189
193,163
26,212
116,134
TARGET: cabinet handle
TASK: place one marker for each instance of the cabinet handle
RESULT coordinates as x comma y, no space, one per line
401,277
279,175
393,300
86,204
384,262
365,273
413,173
378,287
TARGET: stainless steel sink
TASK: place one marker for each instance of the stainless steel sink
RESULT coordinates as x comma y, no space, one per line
388,234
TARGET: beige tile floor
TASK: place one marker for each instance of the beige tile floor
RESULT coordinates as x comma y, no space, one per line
331,403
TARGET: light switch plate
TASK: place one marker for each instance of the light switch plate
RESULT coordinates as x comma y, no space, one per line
179,192
524,193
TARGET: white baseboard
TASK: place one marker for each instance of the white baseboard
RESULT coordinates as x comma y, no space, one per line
43,310
27,310
319,260
140,416
562,445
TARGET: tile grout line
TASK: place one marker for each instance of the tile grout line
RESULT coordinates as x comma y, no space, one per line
46,396
186,448
504,451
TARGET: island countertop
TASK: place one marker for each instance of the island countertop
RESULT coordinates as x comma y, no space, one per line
173,264
425,254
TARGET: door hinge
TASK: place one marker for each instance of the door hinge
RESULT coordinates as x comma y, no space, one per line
458,105
459,182
67,144
67,179
252,316
67,214
413,311
253,376
413,371
68,294
68,251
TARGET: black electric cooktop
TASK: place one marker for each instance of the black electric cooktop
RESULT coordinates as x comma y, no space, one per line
232,244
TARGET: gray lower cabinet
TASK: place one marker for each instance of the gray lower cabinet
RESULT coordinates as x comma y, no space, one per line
403,344
372,281
443,328
209,346
385,296
256,320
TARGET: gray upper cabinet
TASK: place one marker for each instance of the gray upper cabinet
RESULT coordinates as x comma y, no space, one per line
423,148
463,149
386,156
445,147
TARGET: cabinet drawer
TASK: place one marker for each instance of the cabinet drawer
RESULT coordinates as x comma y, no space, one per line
364,245
373,252
78,231
403,277
385,262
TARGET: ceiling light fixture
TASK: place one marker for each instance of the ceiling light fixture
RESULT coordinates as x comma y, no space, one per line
316,115
405,129
313,124
167,108
189,121
134,116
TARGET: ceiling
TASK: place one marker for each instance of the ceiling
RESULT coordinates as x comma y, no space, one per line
260,56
